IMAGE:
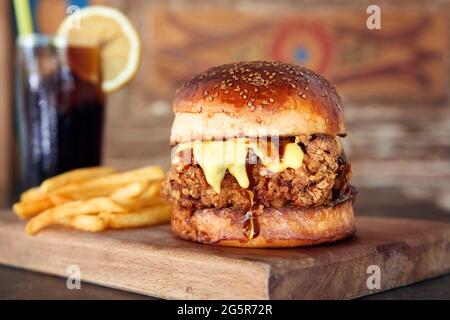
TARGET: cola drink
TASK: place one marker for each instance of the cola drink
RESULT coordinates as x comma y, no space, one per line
59,109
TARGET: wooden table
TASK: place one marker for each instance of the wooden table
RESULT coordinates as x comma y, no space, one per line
22,284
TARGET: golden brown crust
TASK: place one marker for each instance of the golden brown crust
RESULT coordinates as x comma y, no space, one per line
241,98
277,228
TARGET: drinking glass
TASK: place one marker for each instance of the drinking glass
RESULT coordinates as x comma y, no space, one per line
59,107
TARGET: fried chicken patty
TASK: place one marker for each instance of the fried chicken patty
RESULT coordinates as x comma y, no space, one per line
322,179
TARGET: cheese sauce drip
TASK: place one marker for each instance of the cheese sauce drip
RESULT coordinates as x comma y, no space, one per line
216,157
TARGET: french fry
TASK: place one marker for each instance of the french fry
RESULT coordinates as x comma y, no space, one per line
94,199
105,186
71,209
75,176
26,210
58,200
65,182
32,194
89,223
150,197
145,217
77,192
130,191
124,178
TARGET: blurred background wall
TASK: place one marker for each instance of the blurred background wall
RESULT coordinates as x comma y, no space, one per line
5,100
394,82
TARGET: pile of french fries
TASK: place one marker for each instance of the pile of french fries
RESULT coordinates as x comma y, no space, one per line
95,199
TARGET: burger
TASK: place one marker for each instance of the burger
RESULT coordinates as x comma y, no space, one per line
257,158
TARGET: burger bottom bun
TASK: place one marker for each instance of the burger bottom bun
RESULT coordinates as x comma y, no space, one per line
275,228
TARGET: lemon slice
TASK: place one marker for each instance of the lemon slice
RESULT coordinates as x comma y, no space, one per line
113,33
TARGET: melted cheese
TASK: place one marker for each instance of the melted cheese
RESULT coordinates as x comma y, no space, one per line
216,157
292,158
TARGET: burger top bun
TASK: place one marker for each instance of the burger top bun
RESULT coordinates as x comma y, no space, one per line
253,99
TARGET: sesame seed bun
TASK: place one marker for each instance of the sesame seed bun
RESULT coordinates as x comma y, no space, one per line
278,228
250,98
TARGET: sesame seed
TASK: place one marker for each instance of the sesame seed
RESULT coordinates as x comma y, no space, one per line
271,100
210,98
324,94
303,96
244,96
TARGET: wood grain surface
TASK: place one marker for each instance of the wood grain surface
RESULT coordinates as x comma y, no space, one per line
152,261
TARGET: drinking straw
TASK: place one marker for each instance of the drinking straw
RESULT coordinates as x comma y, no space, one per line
23,17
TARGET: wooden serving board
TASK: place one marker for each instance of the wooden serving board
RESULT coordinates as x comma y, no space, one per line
152,261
